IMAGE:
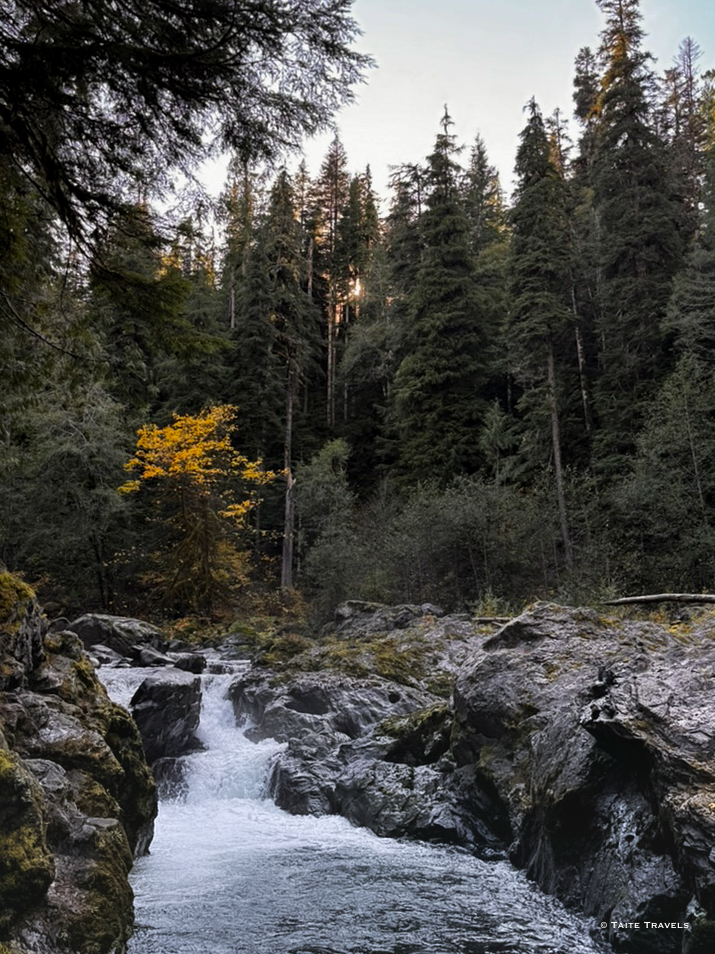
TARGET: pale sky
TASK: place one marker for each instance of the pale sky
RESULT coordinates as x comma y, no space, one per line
485,59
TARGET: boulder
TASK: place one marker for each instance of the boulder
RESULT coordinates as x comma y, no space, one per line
318,701
22,631
166,708
76,796
361,618
190,662
120,633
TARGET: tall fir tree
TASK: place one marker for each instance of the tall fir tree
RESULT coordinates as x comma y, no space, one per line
437,396
331,191
295,322
638,242
541,316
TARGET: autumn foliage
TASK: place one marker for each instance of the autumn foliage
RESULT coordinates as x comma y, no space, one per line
201,491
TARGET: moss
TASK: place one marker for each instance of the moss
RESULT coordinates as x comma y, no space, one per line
135,791
421,738
104,916
26,866
14,595
93,799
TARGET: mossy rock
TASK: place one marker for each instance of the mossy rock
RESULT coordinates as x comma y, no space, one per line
421,738
103,919
26,865
136,790
15,597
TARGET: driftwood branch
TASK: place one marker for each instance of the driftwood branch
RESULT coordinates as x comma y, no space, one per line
663,598
496,620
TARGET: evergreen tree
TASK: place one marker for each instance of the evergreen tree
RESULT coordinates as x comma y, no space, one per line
683,123
639,247
331,192
437,395
138,300
294,319
254,382
483,199
541,260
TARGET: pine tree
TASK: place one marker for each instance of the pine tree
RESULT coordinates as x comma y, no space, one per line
683,123
639,247
437,395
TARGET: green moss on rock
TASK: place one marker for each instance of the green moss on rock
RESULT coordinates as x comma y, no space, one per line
102,921
14,598
26,865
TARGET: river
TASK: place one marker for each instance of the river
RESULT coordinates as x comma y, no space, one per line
230,873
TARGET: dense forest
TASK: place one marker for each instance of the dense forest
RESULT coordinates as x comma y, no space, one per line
455,398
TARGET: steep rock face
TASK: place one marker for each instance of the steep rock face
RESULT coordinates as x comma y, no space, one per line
598,737
76,796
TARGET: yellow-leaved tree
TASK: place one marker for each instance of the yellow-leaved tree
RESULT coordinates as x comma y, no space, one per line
201,491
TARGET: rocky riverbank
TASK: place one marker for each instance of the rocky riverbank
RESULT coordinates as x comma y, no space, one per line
77,800
580,746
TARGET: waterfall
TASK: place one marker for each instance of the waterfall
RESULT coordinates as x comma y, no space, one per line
230,873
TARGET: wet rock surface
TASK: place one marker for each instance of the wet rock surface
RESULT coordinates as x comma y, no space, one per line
166,708
581,746
371,748
597,737
77,800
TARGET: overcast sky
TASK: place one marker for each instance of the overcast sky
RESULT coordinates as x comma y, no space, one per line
485,59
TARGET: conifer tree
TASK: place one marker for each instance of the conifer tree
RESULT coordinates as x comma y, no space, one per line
330,198
483,199
541,261
437,395
295,323
639,247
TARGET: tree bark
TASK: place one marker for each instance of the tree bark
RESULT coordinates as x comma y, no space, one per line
558,467
289,515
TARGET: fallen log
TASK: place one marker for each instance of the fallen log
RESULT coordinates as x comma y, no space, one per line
662,598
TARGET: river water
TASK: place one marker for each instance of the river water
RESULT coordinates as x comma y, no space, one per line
230,873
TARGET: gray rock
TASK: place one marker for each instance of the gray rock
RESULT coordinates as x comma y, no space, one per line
359,618
76,797
313,702
149,658
166,709
190,662
104,656
597,738
120,633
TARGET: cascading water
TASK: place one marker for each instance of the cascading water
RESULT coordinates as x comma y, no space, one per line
230,873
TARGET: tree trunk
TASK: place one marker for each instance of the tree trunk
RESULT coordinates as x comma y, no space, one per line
558,468
662,598
289,516
583,380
